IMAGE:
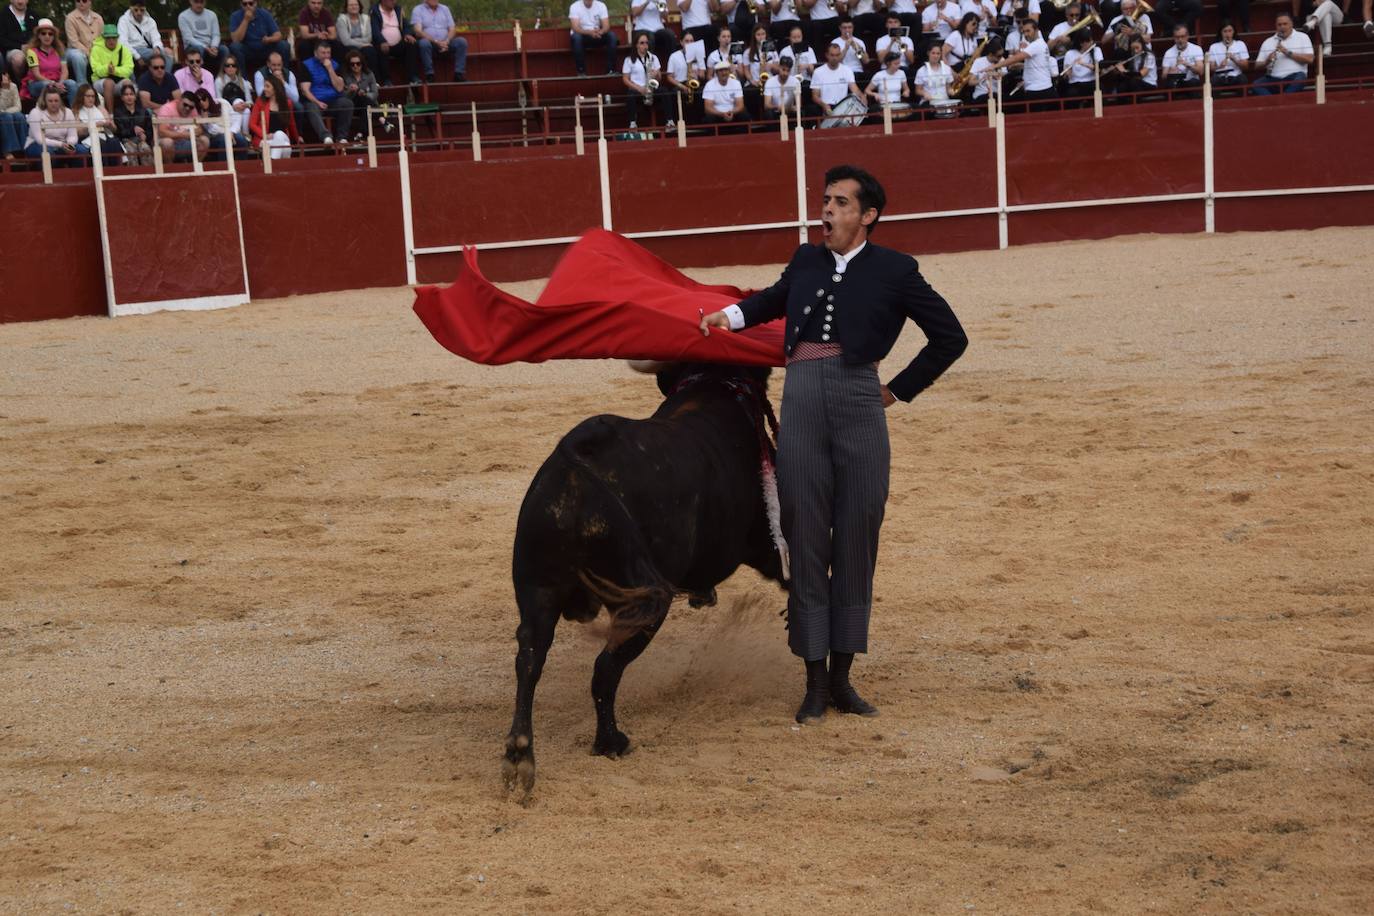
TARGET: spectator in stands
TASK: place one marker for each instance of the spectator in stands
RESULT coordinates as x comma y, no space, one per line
640,68
174,130
696,18
133,125
437,34
96,129
647,18
723,97
360,86
853,54
1080,64
1323,18
13,127
45,56
277,67
590,26
231,74
139,33
156,87
254,35
825,22
52,125
207,106
83,27
354,28
783,93
1179,12
1230,57
199,30
1284,57
933,78
985,78
17,26
962,43
802,57
111,64
324,94
888,87
393,38
315,24
1138,71
834,81
194,76
941,18
782,16
1183,62
1037,67
893,41
235,99
273,117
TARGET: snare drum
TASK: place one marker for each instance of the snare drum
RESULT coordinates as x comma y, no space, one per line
847,112
945,108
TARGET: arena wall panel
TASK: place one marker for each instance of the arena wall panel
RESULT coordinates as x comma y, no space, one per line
1294,146
42,275
717,184
938,167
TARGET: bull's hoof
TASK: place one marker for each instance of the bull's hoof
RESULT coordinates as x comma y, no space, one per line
517,768
614,745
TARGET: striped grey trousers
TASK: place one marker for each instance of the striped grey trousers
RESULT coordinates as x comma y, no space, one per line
833,458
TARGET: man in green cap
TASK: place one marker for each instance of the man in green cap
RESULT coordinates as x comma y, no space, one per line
111,62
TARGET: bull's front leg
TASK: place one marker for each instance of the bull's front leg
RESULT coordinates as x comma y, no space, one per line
610,666
534,636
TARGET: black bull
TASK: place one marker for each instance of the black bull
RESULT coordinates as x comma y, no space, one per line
629,514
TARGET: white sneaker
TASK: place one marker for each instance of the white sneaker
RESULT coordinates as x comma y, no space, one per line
327,140
1326,50
671,124
1369,30
634,126
1311,23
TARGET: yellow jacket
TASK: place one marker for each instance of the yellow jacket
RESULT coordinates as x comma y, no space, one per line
102,58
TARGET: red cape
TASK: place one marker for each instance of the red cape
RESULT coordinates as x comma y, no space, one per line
607,298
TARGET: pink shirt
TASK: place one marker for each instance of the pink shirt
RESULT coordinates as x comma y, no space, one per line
391,27
188,83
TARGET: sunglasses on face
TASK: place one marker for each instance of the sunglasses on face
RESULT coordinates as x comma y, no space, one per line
157,67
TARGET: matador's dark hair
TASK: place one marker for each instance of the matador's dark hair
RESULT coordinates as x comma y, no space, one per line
871,193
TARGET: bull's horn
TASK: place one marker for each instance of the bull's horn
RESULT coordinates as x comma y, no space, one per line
647,366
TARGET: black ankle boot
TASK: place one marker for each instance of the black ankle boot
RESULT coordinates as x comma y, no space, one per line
817,692
844,697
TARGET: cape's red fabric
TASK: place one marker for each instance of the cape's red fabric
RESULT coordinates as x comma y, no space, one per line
607,298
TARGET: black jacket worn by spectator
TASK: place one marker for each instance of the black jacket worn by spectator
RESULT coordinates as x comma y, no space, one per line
879,290
14,36
126,120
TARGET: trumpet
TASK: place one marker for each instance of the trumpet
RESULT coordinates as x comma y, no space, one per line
693,84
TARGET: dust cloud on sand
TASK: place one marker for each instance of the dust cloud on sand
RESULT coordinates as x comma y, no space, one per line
256,623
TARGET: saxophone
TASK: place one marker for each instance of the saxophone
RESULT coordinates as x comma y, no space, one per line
961,80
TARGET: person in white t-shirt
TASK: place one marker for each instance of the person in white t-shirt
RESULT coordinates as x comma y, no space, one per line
685,64
1229,56
760,63
940,18
723,97
908,13
933,79
853,54
868,22
724,39
1183,62
782,93
831,83
1017,10
985,10
825,22
696,18
647,18
1080,65
896,43
1124,27
782,16
590,26
802,57
962,43
1037,67
643,79
1283,57
1059,40
888,87
985,78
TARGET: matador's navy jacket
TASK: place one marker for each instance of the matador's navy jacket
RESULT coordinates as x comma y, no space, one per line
865,308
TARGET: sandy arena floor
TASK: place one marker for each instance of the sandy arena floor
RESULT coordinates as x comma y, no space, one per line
256,621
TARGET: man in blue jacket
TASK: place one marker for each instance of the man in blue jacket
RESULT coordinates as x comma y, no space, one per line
845,302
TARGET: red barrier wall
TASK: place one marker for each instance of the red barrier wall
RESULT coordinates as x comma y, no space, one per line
317,225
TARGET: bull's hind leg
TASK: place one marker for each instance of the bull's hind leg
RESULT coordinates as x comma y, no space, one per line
610,666
534,636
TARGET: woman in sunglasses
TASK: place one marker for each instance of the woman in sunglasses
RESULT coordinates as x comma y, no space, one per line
231,74
359,84
45,56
